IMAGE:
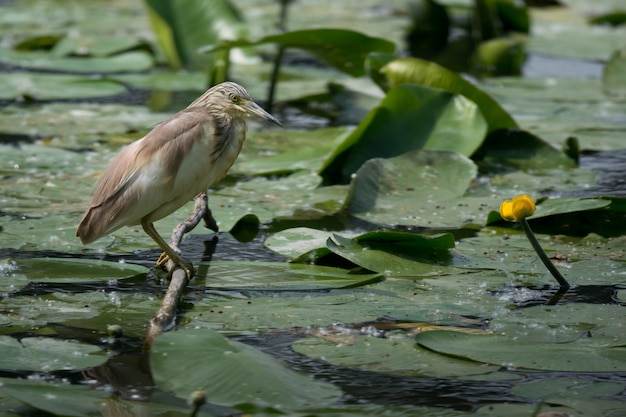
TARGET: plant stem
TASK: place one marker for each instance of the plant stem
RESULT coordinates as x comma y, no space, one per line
542,255
282,28
274,78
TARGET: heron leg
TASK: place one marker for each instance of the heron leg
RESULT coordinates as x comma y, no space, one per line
168,252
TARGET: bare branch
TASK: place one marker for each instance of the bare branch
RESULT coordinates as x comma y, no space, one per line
164,319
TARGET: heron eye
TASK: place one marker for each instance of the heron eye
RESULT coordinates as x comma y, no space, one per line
233,97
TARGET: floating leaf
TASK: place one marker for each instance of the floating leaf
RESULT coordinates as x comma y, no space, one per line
55,86
230,372
95,45
418,188
46,355
281,276
56,399
422,262
59,270
554,206
133,61
396,355
581,355
566,388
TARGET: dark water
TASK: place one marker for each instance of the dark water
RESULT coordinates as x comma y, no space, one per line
611,168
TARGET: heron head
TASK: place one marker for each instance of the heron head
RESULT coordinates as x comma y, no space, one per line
232,98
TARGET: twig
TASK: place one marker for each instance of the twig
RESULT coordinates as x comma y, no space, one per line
163,320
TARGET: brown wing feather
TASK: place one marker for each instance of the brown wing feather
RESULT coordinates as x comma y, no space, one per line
115,195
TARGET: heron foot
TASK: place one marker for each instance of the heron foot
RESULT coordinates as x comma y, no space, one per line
186,265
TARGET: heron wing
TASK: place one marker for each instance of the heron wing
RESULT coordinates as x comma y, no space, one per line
139,180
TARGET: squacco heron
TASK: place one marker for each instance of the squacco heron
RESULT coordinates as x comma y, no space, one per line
176,161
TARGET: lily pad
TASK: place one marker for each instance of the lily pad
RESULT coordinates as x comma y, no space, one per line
133,61
417,71
396,355
567,388
55,86
418,188
280,276
393,259
346,50
409,118
46,355
54,398
581,355
59,270
231,373
184,26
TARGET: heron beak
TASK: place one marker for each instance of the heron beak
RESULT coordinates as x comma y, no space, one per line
254,109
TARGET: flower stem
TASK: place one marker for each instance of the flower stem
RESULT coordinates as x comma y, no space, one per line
542,255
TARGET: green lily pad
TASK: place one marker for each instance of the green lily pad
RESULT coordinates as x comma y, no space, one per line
54,398
95,45
75,270
417,71
279,276
567,387
418,188
46,355
94,310
413,256
55,86
554,206
409,118
565,32
396,355
581,355
230,372
78,125
389,252
346,50
183,27
133,61
584,396
299,240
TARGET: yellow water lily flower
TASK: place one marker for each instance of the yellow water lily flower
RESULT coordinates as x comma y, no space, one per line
519,208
